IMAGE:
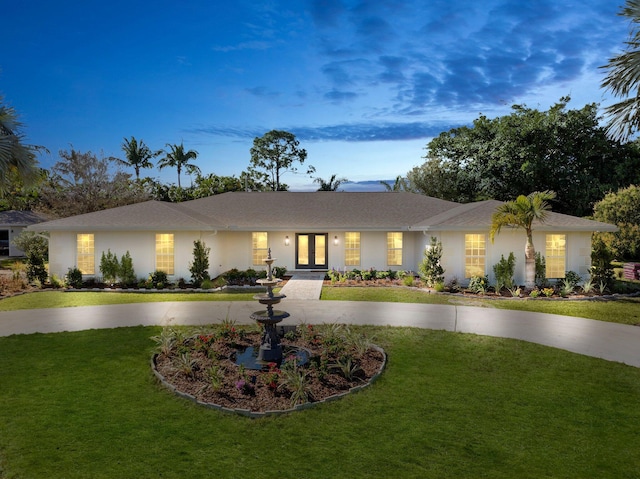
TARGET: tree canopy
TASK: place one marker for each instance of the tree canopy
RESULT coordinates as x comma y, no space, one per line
138,155
82,183
622,209
179,159
273,155
563,150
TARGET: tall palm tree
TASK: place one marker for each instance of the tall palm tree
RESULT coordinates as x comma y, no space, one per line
623,79
521,213
138,155
15,156
332,185
178,158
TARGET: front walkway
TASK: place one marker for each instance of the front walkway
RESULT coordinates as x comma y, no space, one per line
304,285
610,341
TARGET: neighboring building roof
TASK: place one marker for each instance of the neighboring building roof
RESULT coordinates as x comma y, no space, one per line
310,211
20,218
478,215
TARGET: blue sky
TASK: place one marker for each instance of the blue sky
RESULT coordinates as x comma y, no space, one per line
363,85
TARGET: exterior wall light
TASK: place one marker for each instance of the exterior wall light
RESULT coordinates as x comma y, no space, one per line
286,240
335,240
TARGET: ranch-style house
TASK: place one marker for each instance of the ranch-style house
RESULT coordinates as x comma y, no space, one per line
313,231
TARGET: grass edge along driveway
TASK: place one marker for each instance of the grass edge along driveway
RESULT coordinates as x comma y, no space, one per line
624,310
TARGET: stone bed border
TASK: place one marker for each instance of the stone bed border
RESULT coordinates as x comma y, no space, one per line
260,414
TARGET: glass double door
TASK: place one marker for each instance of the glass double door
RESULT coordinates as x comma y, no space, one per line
311,251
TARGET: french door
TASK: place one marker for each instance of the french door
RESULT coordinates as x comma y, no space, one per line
311,251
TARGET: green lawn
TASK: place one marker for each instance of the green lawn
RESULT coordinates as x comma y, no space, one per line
85,404
60,299
623,310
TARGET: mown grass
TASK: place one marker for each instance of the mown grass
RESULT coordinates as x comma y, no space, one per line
77,405
60,299
621,310
624,310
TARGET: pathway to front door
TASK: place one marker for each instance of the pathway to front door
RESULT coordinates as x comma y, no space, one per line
303,285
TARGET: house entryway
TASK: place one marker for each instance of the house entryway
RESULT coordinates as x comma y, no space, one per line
311,251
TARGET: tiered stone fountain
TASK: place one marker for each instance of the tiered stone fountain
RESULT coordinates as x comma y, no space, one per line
270,347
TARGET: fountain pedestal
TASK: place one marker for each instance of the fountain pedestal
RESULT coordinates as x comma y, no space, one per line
270,347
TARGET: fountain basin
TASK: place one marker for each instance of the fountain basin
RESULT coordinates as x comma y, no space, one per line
249,357
269,316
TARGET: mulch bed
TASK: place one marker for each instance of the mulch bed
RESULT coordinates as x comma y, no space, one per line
262,390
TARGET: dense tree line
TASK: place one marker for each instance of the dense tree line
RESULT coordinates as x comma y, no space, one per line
562,150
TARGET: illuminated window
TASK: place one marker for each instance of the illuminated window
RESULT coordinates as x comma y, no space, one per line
555,254
164,253
394,249
259,247
352,249
86,253
474,255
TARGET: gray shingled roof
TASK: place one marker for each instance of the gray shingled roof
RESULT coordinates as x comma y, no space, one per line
478,215
338,210
150,215
300,211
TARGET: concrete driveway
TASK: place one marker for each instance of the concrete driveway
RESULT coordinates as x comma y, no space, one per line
610,341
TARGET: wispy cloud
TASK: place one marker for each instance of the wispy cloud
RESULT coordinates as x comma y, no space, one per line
357,132
249,45
457,53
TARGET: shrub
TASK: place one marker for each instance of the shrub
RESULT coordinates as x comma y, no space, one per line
572,278
601,269
74,278
109,267
382,275
431,272
199,267
479,284
408,280
55,281
158,279
548,292
127,274
453,285
28,241
503,271
232,276
279,271
36,270
566,288
206,284
541,270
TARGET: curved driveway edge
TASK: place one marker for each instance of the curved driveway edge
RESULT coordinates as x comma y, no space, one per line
610,341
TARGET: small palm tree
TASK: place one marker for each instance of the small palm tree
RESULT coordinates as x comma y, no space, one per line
138,155
521,213
623,79
399,185
179,159
332,185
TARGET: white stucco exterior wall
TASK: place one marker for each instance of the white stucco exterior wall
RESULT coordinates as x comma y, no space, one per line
233,249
